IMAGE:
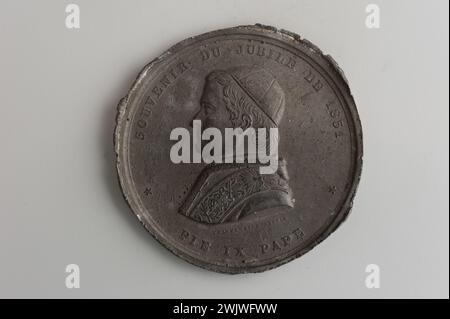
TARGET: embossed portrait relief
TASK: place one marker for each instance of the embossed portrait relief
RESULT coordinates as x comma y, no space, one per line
242,97
197,141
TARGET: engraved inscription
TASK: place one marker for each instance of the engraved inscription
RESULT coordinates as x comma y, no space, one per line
267,52
166,80
337,118
217,209
229,251
148,191
312,79
282,242
209,53
195,241
238,228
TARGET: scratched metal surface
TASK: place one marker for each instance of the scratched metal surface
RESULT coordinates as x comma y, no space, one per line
245,222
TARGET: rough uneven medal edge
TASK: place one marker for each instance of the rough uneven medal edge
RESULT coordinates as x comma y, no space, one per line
149,225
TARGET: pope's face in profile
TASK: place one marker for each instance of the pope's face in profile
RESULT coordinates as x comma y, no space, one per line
213,112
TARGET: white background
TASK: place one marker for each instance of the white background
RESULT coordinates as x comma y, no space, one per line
60,201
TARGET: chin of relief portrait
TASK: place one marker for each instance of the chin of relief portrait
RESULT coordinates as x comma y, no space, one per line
235,132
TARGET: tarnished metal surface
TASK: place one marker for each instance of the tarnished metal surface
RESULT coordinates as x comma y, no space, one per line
229,217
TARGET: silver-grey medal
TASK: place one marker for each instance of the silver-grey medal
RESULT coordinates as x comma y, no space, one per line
227,215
